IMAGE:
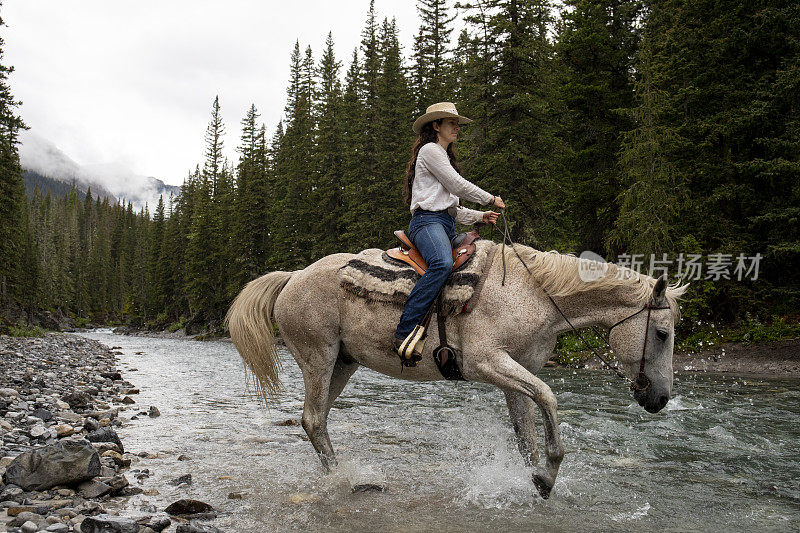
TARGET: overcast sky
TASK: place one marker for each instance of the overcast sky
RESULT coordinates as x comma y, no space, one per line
129,84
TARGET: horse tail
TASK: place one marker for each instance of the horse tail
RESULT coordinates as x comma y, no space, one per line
249,322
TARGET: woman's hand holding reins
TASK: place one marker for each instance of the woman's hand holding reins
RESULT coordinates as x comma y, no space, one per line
490,217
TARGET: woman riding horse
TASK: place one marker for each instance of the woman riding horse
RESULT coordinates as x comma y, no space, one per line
433,187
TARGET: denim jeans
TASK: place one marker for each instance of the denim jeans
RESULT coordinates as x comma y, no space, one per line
432,233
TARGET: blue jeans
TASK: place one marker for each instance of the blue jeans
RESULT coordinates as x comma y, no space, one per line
432,232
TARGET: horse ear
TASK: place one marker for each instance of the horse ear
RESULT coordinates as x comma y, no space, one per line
660,290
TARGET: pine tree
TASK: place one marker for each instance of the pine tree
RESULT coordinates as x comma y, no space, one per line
13,218
385,189
330,148
214,145
515,152
432,61
595,49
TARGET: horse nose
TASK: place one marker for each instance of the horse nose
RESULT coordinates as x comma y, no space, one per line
662,401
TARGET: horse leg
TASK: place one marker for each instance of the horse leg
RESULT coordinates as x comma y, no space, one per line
501,370
317,378
342,371
522,410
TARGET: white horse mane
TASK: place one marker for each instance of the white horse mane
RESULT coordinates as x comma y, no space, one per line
559,275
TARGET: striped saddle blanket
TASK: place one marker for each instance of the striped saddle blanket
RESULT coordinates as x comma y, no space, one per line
373,275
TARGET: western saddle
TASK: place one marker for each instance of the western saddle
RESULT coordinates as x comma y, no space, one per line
464,247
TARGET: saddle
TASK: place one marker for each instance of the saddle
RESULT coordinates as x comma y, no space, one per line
408,253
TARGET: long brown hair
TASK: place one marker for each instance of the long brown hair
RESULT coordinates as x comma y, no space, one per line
426,135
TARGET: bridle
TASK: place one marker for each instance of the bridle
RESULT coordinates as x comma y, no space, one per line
642,382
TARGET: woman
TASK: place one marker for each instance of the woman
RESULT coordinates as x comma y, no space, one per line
433,187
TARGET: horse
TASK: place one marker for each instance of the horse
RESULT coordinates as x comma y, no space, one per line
504,341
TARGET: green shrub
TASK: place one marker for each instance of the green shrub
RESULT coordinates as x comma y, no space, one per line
175,326
24,330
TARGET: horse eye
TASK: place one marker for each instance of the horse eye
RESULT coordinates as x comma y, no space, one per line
661,334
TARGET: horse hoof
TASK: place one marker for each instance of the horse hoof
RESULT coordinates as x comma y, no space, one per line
367,487
542,485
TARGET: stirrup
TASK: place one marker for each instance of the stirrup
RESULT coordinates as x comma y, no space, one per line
410,349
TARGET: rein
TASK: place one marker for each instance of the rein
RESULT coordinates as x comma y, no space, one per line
642,382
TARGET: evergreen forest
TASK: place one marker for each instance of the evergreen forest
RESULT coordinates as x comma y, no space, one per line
625,127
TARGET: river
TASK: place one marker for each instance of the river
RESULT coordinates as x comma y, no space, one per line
723,454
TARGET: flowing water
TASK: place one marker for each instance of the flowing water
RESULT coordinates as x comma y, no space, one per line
723,454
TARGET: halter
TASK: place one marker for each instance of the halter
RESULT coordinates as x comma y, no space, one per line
642,382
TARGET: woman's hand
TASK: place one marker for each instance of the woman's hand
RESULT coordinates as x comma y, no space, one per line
490,217
498,202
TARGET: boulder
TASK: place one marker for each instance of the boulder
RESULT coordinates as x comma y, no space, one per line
105,434
104,523
77,400
63,463
188,507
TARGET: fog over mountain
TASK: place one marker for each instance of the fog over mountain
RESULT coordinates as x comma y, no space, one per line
108,179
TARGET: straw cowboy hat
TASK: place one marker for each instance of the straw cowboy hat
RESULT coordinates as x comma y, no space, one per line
437,111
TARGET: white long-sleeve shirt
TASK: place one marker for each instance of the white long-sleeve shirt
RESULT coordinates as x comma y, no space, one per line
437,186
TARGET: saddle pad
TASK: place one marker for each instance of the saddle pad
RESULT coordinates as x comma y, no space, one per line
373,275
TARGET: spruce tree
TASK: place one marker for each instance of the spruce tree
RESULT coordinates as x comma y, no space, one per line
329,155
13,218
595,49
432,59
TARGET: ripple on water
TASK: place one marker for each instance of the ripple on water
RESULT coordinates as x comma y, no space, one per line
447,451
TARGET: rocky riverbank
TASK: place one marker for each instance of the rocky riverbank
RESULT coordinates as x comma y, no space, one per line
61,459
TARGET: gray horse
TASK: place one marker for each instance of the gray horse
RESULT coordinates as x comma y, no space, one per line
505,340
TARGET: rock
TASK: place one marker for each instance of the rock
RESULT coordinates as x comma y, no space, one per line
29,527
93,489
13,494
287,422
367,487
117,458
14,511
104,523
91,509
69,416
195,527
105,434
58,528
184,479
183,457
302,497
103,447
151,492
239,495
61,404
113,376
91,424
63,463
9,393
44,414
128,400
153,412
25,516
118,482
156,523
77,400
38,431
129,391
188,507
64,430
